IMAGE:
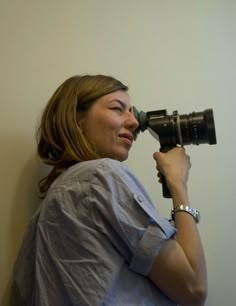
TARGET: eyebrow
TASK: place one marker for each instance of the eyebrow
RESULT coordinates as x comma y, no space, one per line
123,104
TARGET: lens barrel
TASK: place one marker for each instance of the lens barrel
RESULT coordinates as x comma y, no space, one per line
198,128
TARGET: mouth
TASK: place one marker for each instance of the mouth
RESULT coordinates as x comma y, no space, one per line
127,138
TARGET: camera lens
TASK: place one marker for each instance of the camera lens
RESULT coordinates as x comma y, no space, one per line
198,127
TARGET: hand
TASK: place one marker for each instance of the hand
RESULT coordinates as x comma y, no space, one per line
174,165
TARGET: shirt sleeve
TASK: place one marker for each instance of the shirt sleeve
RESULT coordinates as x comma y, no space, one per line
123,211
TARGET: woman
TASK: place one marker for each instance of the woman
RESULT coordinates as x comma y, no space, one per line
97,238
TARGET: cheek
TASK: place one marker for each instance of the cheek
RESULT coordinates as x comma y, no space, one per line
101,126
107,125
97,132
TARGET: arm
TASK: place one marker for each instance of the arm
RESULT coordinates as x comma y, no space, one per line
179,269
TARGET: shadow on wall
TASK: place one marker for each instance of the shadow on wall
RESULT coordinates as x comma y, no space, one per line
25,201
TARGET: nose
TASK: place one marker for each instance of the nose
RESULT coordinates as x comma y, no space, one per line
131,122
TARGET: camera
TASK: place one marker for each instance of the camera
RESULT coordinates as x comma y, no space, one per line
177,129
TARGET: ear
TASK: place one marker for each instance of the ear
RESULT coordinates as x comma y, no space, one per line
80,120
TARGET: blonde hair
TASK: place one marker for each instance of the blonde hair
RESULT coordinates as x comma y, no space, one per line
60,141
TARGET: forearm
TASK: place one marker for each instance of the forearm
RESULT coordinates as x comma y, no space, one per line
189,239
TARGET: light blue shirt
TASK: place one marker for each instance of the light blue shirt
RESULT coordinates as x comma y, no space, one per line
93,241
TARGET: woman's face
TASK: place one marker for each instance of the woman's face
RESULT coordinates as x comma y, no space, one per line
109,125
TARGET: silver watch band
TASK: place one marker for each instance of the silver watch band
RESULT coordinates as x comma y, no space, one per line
188,209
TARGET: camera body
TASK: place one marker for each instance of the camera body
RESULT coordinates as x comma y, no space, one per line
172,130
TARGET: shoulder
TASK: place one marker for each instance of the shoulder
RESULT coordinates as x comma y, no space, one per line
109,171
88,170
105,172
101,178
109,175
112,167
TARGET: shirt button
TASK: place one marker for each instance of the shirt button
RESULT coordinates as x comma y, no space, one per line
140,199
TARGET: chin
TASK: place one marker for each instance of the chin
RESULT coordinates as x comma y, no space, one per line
121,156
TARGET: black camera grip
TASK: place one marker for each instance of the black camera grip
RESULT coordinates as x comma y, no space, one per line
165,190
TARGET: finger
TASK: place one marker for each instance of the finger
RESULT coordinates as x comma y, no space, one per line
156,155
160,176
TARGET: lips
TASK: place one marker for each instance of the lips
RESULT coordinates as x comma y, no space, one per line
127,138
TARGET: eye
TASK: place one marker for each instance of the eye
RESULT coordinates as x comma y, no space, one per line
117,109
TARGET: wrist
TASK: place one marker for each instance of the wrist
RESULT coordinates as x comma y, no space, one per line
176,184
179,193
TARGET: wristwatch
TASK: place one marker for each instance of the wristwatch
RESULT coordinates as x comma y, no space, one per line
185,208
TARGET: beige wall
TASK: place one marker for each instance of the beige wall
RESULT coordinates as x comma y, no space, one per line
172,54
